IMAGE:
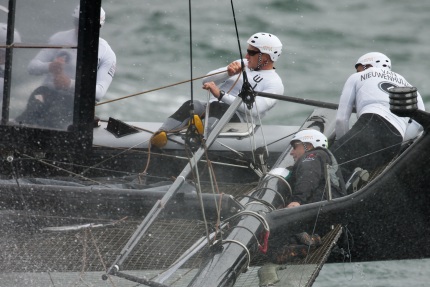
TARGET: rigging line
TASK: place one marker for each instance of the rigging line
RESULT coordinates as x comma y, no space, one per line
199,194
369,154
143,176
313,233
205,134
100,256
160,88
237,34
252,138
100,169
352,242
313,229
191,57
84,255
173,189
195,174
348,255
281,139
65,170
247,93
177,157
262,131
50,278
214,186
241,154
173,131
103,161
144,173
124,172
212,176
191,251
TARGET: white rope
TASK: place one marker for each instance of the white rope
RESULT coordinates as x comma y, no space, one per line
244,247
265,204
259,217
282,179
199,193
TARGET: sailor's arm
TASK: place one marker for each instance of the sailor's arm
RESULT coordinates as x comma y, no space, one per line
105,71
232,69
308,175
346,104
40,64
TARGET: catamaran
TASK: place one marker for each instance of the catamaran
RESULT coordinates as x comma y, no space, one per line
92,204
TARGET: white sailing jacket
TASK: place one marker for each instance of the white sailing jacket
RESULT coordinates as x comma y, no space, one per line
267,81
106,62
368,92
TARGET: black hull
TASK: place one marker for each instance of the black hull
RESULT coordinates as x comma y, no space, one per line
386,220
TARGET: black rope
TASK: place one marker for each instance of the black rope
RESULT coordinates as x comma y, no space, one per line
191,55
237,35
247,93
192,137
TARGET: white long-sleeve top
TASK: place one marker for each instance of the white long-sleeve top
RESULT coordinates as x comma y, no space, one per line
267,81
368,92
106,62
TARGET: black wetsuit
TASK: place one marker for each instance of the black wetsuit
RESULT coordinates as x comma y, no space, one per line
307,178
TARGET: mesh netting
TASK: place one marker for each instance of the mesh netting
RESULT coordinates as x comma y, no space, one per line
38,249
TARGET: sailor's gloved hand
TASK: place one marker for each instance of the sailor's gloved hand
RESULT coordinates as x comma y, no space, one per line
62,82
56,66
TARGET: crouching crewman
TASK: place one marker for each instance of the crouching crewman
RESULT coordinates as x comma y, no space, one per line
307,177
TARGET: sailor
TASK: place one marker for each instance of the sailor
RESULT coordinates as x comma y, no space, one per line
263,50
59,66
307,177
16,39
375,139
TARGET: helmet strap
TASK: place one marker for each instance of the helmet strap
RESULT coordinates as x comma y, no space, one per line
260,63
305,146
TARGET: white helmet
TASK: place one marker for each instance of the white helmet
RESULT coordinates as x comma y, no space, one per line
267,44
316,138
3,34
102,15
376,59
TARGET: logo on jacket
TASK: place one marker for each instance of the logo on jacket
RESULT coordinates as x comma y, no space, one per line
386,86
310,157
